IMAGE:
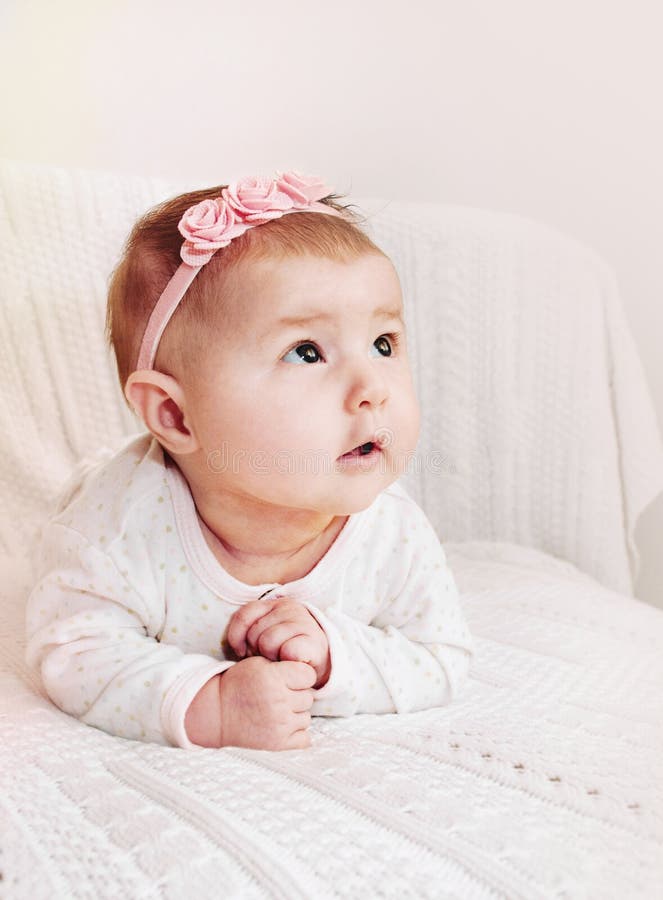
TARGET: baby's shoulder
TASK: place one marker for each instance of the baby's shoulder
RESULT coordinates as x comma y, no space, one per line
395,517
397,541
105,490
397,504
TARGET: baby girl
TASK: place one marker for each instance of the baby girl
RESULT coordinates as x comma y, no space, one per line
251,559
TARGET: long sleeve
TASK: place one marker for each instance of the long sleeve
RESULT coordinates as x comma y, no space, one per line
95,640
415,650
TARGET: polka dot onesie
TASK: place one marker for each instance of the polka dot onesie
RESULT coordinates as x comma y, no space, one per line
127,619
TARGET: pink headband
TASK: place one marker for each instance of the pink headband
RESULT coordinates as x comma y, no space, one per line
212,224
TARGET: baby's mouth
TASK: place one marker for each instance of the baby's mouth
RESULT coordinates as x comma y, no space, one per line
361,450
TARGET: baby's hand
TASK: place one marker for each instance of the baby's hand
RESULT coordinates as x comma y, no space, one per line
266,705
280,629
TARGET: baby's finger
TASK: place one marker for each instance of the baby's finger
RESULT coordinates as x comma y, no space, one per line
281,611
270,640
297,648
302,701
298,676
301,719
299,740
242,620
268,621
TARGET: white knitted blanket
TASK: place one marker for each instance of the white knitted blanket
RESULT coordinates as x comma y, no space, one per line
544,781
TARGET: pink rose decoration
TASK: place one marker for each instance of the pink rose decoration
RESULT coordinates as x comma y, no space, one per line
206,227
302,188
212,224
255,199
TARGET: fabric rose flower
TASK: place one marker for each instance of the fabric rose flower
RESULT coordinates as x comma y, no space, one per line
212,224
206,227
256,199
302,188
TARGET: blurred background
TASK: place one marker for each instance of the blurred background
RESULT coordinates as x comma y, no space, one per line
552,110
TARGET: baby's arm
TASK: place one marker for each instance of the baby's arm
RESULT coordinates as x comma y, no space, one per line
413,653
395,667
94,639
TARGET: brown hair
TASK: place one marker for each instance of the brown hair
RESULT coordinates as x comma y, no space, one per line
152,255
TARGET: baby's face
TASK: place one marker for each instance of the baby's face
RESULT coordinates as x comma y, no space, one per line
311,364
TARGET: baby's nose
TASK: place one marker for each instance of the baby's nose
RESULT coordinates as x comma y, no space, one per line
368,389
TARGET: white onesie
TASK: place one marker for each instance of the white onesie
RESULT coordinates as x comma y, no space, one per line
128,617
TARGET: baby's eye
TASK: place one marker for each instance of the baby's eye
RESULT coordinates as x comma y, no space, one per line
303,353
383,345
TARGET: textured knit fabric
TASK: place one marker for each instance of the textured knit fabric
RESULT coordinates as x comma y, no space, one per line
128,617
543,780
537,424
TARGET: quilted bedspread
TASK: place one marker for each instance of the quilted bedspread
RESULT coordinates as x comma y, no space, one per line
544,780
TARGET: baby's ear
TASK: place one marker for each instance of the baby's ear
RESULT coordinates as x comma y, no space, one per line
159,401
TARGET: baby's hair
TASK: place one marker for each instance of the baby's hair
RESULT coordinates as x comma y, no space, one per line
152,254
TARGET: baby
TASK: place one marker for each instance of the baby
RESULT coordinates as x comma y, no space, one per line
250,560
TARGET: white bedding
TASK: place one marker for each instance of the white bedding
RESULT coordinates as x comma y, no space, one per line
544,781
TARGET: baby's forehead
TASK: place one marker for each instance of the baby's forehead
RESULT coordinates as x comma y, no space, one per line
301,289
285,316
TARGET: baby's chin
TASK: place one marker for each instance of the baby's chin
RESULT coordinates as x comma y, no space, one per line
353,500
345,494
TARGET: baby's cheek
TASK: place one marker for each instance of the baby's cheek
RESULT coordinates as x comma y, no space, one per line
411,424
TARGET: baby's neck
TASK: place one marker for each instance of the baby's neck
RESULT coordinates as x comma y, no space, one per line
259,542
281,567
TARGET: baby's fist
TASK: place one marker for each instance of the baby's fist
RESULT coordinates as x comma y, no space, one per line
281,629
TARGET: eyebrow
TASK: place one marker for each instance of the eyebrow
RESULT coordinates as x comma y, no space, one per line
381,312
